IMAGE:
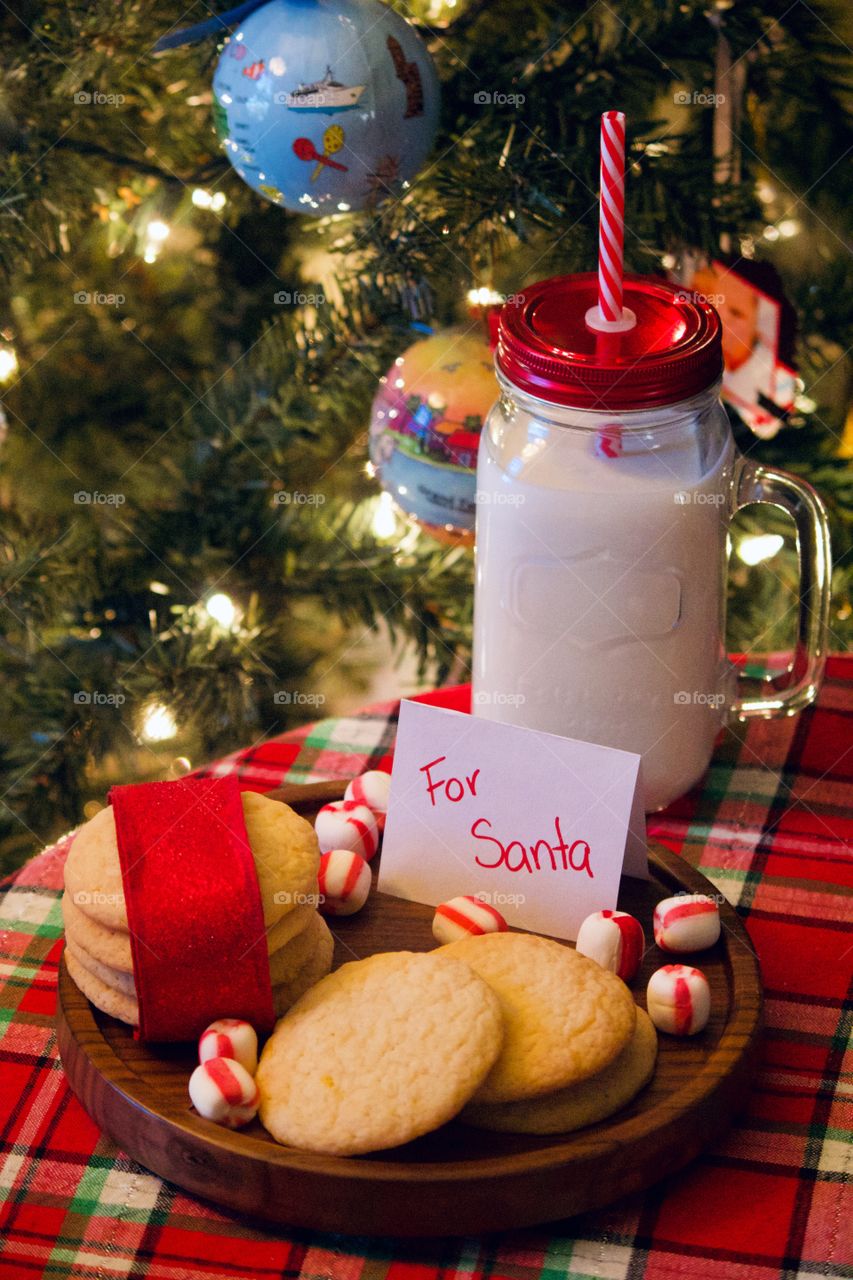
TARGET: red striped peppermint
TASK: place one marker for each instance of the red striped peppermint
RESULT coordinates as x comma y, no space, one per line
688,922
346,824
230,1038
615,940
678,999
462,917
343,881
372,789
223,1091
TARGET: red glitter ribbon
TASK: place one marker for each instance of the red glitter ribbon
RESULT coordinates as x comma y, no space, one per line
194,911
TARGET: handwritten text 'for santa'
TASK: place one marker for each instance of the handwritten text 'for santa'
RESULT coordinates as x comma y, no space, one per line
490,852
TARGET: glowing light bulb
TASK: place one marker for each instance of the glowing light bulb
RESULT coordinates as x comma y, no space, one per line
201,199
484,297
761,546
158,723
222,609
788,227
158,230
384,522
8,363
771,233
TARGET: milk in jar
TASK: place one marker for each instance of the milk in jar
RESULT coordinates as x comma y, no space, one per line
607,478
598,612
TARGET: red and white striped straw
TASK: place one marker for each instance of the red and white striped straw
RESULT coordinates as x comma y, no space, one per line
611,225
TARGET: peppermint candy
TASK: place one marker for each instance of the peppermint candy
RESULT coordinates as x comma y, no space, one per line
230,1038
372,789
613,939
224,1092
461,917
344,882
688,922
678,999
346,824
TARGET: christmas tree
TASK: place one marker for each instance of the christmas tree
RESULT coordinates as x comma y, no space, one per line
182,356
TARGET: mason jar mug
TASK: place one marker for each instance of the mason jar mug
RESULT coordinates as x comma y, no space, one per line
607,479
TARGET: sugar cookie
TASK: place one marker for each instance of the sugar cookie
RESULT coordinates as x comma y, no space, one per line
565,1017
587,1102
381,1051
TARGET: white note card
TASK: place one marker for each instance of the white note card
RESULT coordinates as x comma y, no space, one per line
542,827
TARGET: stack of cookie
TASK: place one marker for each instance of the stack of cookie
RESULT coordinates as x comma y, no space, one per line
576,1047
286,856
508,1031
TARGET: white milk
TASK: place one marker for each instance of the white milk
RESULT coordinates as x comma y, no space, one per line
599,607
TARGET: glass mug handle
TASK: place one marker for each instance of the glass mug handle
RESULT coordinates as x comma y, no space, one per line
798,688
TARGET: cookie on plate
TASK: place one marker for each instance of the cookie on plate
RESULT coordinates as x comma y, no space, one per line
378,1053
117,979
565,1017
286,963
581,1104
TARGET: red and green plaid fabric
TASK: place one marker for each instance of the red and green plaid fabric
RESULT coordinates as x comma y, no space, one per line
771,826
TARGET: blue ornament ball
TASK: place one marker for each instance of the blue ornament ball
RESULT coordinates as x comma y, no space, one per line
324,106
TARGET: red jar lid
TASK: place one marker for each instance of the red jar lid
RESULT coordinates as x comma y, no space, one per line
547,349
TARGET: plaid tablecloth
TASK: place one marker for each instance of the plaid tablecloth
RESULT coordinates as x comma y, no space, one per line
771,826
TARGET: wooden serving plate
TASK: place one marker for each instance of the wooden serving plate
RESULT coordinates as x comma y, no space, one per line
458,1180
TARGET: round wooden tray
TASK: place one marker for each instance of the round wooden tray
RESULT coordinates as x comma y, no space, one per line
458,1180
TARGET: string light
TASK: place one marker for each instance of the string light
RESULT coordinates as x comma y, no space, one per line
8,363
158,723
158,229
213,200
484,297
384,522
222,609
156,233
771,233
761,546
788,227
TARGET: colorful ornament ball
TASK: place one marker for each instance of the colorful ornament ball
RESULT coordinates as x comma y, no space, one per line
425,429
324,106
